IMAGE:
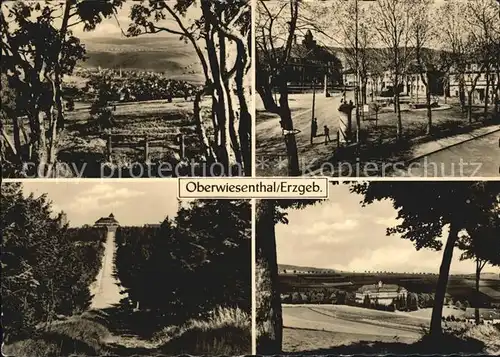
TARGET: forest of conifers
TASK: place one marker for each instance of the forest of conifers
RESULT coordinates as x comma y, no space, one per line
191,264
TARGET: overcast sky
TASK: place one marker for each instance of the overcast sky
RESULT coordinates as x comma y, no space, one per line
341,234
323,15
132,203
112,27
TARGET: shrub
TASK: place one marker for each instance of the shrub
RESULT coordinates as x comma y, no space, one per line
296,298
82,329
225,332
75,336
29,232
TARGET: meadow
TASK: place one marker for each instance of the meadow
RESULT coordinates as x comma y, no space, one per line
460,287
159,121
322,329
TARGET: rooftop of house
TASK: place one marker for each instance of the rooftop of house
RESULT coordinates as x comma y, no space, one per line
380,287
308,50
107,220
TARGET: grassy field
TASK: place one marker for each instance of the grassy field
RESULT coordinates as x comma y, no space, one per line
337,329
157,120
114,332
159,54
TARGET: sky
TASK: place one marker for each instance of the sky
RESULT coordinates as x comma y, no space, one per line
112,27
132,203
341,234
328,23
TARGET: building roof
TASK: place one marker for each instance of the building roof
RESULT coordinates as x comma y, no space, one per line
107,220
377,288
309,51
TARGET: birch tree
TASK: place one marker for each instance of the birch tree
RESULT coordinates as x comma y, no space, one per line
38,49
428,61
359,52
277,25
221,31
392,20
481,19
481,243
439,207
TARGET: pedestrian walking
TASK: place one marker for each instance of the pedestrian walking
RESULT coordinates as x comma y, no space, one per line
327,134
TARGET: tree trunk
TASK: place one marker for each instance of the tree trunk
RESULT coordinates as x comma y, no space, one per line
233,120
17,138
287,124
200,129
442,283
469,106
497,93
399,130
269,320
478,277
213,116
40,154
429,108
245,126
470,93
224,152
487,91
426,81
58,68
461,91
264,89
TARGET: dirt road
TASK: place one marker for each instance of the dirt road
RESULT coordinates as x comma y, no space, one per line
106,289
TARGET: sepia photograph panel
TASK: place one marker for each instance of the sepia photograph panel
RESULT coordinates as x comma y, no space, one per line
360,88
122,269
400,268
117,88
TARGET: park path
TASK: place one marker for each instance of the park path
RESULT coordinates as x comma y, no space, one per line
106,289
465,155
124,340
270,141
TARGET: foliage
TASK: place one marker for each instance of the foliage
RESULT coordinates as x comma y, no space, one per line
222,27
437,204
423,217
75,336
38,49
202,258
481,241
100,112
226,332
136,85
41,259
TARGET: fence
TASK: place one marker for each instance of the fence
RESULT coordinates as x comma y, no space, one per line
145,143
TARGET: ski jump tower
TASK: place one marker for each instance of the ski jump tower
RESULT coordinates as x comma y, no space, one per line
106,289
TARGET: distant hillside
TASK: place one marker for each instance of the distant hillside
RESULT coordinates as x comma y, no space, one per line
381,54
291,268
159,54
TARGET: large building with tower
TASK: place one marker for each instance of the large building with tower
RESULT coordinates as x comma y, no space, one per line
108,222
383,294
